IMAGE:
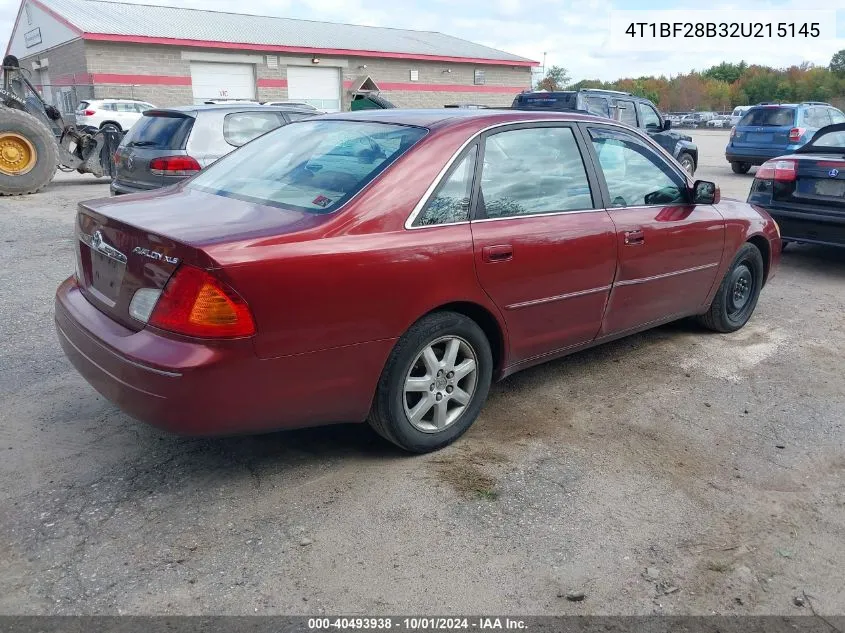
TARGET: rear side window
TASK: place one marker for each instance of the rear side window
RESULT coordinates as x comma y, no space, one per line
450,203
597,106
816,117
240,128
836,116
111,107
159,131
313,166
770,117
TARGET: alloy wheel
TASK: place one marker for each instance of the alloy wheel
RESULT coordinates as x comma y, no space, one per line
440,384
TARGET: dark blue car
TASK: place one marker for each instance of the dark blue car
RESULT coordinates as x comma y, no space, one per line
770,130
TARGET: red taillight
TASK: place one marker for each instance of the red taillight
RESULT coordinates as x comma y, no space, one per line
174,166
780,170
796,133
89,113
195,303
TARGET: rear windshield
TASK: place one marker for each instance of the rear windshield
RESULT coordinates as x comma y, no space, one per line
82,105
313,165
773,117
545,101
159,131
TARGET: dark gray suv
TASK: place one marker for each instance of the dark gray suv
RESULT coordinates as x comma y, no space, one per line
169,145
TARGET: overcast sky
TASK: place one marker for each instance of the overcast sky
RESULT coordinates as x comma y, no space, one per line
573,33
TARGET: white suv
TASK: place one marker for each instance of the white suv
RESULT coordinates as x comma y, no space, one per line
120,112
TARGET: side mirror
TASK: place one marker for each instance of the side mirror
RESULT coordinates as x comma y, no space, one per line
667,125
705,192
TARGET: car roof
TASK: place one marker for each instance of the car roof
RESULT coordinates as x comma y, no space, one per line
453,116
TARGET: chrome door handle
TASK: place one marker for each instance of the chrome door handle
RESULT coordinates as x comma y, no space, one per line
634,238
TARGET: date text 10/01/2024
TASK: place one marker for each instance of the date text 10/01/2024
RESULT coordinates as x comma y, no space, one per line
724,29
416,623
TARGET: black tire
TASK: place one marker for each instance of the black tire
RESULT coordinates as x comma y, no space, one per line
687,162
111,124
740,168
46,153
737,295
388,416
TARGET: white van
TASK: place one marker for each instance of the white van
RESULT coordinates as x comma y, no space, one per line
738,113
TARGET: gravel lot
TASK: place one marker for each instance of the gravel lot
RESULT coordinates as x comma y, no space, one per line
672,472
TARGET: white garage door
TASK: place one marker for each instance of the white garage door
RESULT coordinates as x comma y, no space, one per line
222,81
318,86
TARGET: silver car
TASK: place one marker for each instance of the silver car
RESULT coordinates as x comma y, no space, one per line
170,144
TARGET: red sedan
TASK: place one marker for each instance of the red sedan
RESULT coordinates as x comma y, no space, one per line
388,265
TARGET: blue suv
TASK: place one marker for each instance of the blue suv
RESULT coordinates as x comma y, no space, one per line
772,129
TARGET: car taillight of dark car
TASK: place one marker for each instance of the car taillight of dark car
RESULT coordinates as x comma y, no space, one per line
174,166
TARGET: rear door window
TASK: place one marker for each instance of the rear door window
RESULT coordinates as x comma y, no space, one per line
769,117
161,130
533,170
240,128
627,112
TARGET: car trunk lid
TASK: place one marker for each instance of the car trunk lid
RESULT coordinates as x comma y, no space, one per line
132,242
819,182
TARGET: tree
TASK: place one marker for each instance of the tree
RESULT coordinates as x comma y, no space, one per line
837,64
556,78
726,71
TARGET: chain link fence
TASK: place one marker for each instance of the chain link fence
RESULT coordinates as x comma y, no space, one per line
66,98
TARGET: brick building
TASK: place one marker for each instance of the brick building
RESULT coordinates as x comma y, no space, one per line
78,49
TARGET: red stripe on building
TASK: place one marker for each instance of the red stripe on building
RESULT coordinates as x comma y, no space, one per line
170,41
161,80
272,83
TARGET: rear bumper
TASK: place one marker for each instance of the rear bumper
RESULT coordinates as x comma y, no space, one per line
194,387
809,227
121,188
753,157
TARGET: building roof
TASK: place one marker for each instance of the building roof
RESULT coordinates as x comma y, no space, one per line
122,21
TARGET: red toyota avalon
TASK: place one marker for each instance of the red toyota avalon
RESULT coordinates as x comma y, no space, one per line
388,265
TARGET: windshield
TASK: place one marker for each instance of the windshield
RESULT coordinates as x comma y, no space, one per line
769,117
313,166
